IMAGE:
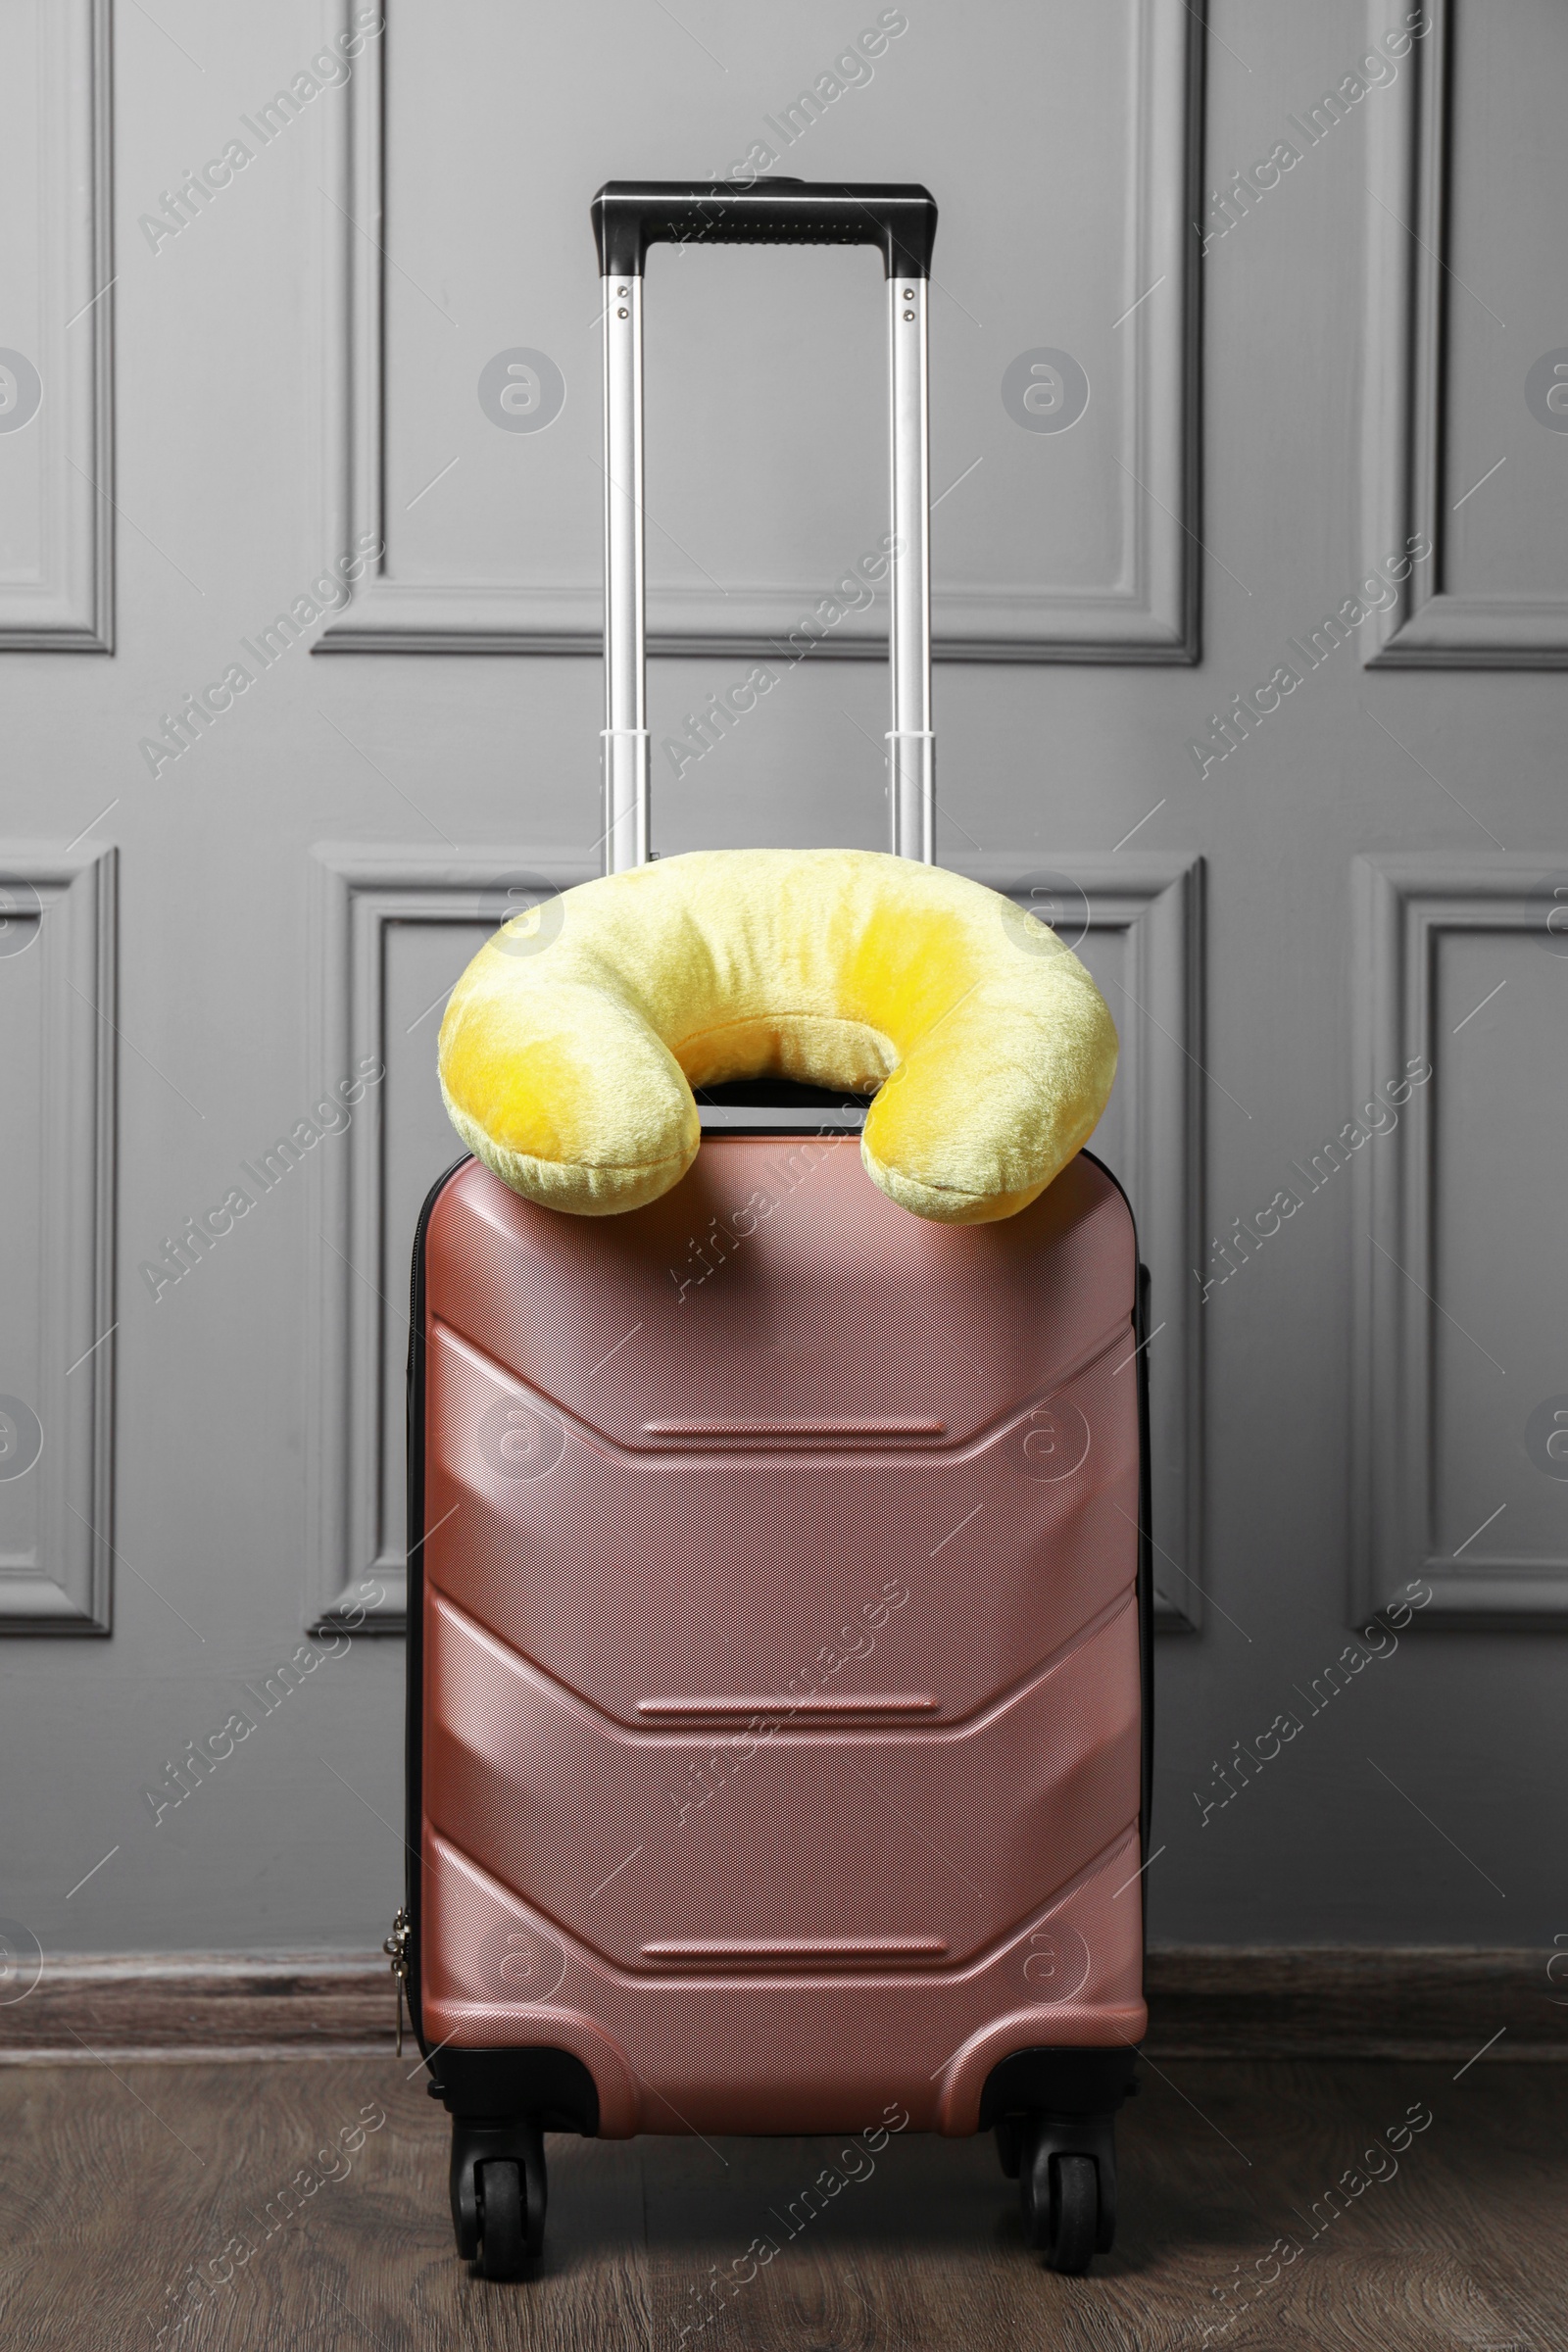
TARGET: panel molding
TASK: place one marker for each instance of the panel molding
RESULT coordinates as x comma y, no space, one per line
69,606
66,1585
1403,906
357,894
1153,619
1156,900
1409,294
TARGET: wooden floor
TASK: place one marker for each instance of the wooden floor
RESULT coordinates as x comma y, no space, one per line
112,2184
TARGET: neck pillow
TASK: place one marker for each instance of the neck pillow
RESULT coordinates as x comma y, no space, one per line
572,1042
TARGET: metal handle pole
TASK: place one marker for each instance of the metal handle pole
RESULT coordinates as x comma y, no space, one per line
911,745
625,736
628,215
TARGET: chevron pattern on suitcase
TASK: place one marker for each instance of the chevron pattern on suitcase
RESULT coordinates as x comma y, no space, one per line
781,1706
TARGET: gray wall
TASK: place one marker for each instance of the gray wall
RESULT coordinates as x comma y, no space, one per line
1361,882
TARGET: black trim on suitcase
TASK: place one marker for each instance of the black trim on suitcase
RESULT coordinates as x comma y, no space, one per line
414,1681
554,2083
1142,1332
1146,1569
535,2078
1078,2080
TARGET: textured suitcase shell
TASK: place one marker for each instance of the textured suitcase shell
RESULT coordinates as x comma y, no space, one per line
777,1681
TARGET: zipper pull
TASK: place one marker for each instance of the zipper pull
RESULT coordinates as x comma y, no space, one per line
396,1948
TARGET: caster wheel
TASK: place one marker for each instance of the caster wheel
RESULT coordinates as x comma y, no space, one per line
498,2190
1060,2197
503,2245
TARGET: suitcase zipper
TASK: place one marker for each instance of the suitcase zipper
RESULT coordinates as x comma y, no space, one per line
396,1948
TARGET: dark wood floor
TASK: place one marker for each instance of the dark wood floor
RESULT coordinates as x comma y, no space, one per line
115,2184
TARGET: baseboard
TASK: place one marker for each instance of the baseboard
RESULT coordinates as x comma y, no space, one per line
1219,2002
1432,2001
201,2004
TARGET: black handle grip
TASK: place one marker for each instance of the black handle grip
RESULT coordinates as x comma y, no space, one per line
631,215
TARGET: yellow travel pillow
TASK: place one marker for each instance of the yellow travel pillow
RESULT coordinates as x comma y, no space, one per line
572,1042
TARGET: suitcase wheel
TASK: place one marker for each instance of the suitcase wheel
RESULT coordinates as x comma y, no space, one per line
501,2245
1066,2169
499,2191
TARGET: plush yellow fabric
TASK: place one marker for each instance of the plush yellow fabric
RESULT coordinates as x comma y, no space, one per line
572,1042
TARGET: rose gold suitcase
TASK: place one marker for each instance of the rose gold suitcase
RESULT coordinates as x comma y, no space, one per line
779,1599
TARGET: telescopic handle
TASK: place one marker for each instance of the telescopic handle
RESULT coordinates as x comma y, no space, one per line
628,217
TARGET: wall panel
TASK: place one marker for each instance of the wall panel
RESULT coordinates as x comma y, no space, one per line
492,535
57,1296
1460,1291
1467,351
56,437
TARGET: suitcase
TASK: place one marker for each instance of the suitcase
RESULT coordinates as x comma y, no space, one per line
779,1640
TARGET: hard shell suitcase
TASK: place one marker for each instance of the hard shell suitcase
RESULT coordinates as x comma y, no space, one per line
779,1654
